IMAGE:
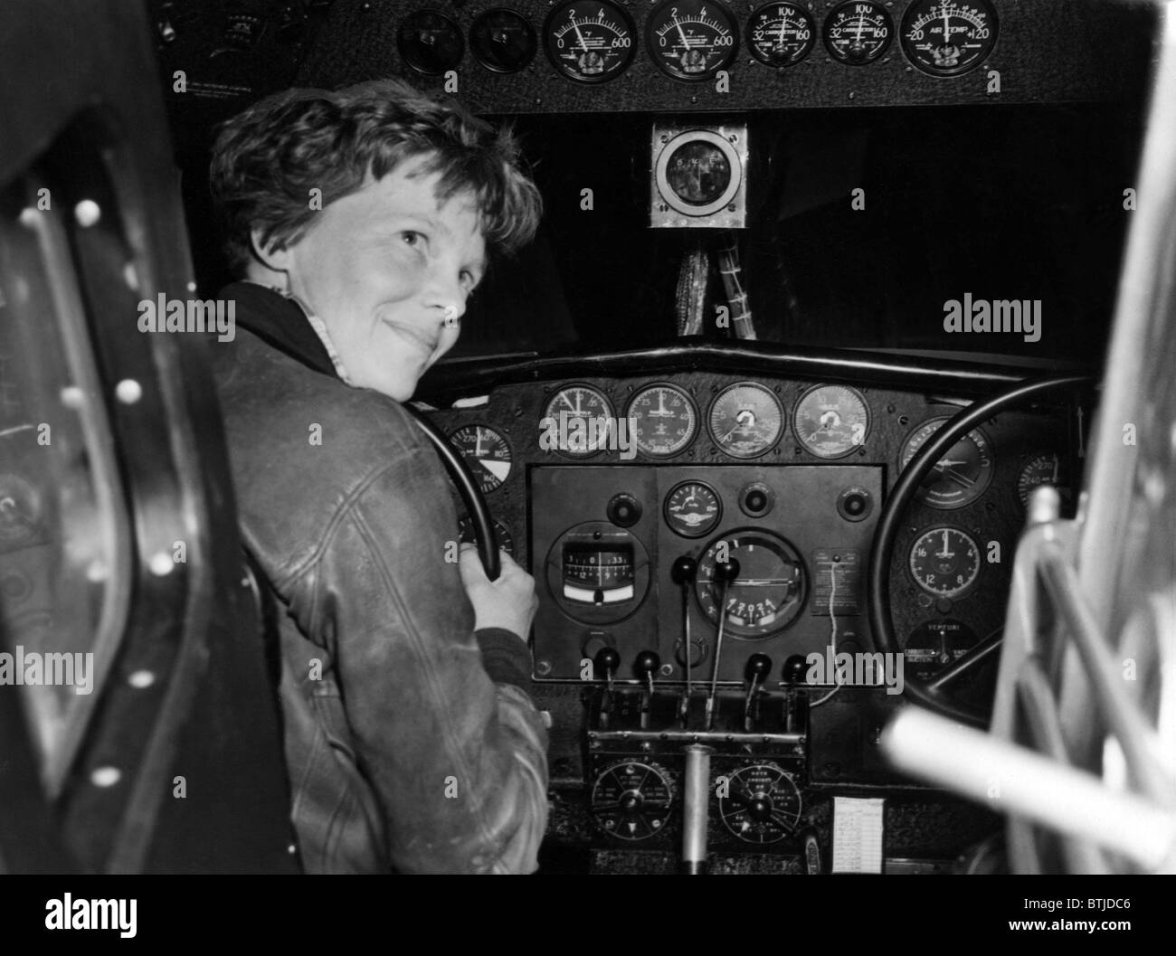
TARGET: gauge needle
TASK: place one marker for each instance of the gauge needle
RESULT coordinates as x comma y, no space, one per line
861,26
478,443
580,36
682,34
945,553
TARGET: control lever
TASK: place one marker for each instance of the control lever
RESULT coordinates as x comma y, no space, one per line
759,666
644,666
795,673
682,573
607,660
695,801
725,573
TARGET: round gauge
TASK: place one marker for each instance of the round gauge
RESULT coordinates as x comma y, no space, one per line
769,591
692,509
959,477
692,39
948,37
781,34
20,510
486,452
577,421
858,32
1043,469
698,173
503,41
761,804
429,42
663,420
465,529
945,561
631,801
746,420
935,645
590,42
831,421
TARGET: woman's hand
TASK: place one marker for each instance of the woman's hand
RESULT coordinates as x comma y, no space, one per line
509,602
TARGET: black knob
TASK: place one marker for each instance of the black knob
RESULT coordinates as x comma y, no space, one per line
607,661
646,663
796,669
683,570
726,571
758,667
759,808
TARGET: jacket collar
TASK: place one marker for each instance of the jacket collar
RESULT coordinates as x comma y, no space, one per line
280,322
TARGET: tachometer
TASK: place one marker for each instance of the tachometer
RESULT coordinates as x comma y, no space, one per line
486,452
589,42
692,509
858,32
692,39
503,41
948,37
1043,469
769,591
959,477
664,420
831,421
746,420
945,561
578,421
781,34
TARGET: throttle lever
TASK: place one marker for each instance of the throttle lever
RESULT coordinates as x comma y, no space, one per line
725,573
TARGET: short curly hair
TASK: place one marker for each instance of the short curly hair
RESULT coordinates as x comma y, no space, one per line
267,159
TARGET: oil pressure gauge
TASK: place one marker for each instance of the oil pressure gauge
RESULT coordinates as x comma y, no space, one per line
948,37
781,34
589,42
858,32
692,39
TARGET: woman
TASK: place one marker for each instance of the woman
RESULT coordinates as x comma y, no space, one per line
360,222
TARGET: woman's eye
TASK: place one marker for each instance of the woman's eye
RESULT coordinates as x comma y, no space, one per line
412,238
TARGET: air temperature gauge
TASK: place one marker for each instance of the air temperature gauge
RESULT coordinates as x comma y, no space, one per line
946,37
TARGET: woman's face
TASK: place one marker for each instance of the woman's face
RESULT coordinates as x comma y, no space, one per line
383,268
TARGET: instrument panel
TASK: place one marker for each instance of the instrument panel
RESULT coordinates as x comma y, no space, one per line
603,483
697,55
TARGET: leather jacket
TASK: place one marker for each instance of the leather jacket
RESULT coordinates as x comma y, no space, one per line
411,743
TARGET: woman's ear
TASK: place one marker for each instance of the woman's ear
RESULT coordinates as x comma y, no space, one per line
274,255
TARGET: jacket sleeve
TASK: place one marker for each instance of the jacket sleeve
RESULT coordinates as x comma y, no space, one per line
456,760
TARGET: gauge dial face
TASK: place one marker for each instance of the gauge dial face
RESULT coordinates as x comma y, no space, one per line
503,41
831,421
761,805
574,416
935,645
945,561
20,510
769,590
746,420
631,801
1043,469
590,42
663,420
692,509
465,528
858,32
692,39
948,37
430,43
959,477
486,452
781,34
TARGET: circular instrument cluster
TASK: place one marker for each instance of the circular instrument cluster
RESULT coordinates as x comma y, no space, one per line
760,804
959,477
632,801
594,41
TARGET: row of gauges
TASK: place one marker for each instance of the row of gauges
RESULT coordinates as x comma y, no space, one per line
592,41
